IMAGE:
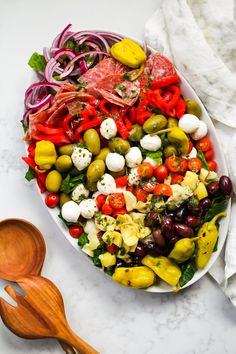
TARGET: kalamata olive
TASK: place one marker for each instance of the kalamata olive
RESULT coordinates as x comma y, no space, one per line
194,210
183,230
213,188
170,213
120,263
139,251
158,238
151,218
167,227
174,239
181,213
205,203
226,186
152,249
193,221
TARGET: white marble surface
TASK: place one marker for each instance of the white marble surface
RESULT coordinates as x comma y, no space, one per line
113,319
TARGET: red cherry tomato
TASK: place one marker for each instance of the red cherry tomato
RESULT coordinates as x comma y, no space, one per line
209,155
129,188
100,200
161,173
112,248
119,212
194,164
190,146
145,170
116,200
107,209
163,189
76,231
121,181
141,195
52,200
204,144
176,178
148,186
212,165
176,164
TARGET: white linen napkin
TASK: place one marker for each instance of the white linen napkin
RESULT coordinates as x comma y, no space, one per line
200,38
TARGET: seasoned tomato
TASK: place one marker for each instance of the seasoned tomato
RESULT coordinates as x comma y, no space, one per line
149,185
212,165
161,173
107,209
176,178
141,194
76,231
176,164
163,189
194,164
204,144
121,181
100,200
145,170
209,155
116,200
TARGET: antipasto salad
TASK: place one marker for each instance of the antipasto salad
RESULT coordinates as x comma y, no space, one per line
124,157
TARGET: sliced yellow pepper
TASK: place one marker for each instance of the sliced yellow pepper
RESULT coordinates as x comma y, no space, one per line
135,277
128,53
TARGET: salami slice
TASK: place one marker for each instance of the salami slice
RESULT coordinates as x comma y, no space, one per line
157,66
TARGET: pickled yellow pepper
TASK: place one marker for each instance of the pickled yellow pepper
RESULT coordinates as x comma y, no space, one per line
135,277
128,53
45,154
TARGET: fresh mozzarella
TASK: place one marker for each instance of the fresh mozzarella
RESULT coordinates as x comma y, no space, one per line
189,123
70,211
115,162
81,158
90,227
150,143
79,191
88,208
193,153
108,128
151,161
200,132
106,184
133,177
133,157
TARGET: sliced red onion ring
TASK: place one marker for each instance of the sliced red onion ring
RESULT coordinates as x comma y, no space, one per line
83,66
79,35
26,115
41,103
62,35
46,54
64,51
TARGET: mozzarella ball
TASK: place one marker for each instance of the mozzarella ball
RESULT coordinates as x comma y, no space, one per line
106,184
189,123
133,157
150,143
88,208
90,227
78,192
70,211
81,158
193,153
151,161
108,128
115,162
200,132
133,177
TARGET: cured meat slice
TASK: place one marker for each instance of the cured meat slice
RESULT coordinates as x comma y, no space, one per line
129,91
57,116
157,67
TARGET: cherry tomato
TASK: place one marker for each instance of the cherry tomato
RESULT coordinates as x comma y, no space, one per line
176,164
145,170
148,186
190,146
141,195
112,248
76,231
107,209
163,189
119,212
52,200
194,164
161,173
209,155
176,178
129,188
116,200
100,200
121,181
212,165
204,144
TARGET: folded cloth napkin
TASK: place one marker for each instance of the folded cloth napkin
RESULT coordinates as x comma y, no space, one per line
199,37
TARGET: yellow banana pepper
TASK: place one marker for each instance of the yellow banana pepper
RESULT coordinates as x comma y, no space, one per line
128,53
45,154
178,138
183,249
164,267
207,238
135,277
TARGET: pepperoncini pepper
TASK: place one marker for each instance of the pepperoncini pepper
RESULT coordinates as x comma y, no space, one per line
178,138
207,238
183,249
45,154
128,53
164,267
136,277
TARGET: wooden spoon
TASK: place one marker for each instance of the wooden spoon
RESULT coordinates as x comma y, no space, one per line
40,313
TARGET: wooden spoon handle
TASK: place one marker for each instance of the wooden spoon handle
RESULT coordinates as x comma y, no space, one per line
68,349
78,343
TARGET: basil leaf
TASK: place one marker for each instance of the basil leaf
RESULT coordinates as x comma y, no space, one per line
201,156
155,155
68,224
68,183
83,239
188,270
218,205
30,174
37,62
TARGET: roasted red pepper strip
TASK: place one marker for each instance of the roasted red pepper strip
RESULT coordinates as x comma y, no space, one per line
180,108
166,81
40,177
31,150
122,130
167,96
156,100
84,126
57,139
132,115
29,161
103,106
128,124
66,125
176,95
142,117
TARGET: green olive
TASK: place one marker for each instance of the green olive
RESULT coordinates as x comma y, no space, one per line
193,108
92,141
172,122
119,145
64,198
118,174
66,149
53,181
102,154
136,133
63,163
155,123
170,150
95,170
92,186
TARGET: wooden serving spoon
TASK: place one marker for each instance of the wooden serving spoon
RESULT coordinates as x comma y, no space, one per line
22,253
40,313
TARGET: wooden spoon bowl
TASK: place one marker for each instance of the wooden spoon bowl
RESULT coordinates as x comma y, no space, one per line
22,249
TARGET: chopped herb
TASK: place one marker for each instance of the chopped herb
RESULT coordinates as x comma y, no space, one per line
30,174
81,85
121,87
126,76
188,270
83,239
147,86
37,62
116,116
133,94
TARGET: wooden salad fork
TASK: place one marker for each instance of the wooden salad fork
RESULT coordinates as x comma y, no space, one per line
40,313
